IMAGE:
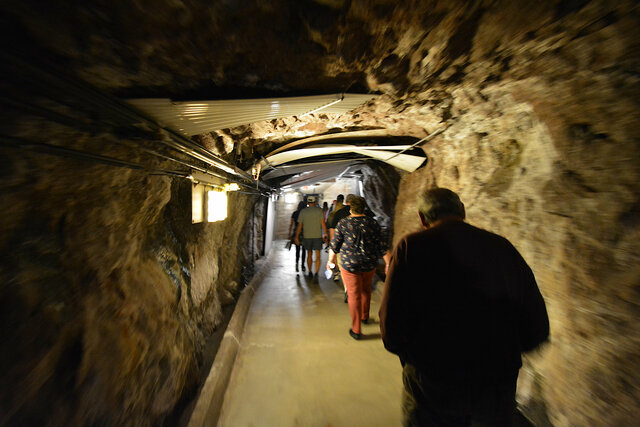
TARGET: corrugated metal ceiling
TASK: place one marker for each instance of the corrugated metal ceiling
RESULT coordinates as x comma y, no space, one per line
198,117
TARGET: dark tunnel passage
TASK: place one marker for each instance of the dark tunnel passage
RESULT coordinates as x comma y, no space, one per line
151,159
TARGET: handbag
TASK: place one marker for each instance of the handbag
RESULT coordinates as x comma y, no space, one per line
288,245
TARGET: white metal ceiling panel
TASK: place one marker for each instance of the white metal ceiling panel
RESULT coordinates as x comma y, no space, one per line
315,176
283,170
402,161
341,136
198,117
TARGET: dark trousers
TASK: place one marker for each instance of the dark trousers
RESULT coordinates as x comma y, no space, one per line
440,403
304,252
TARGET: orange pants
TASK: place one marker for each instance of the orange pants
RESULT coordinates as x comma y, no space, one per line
359,291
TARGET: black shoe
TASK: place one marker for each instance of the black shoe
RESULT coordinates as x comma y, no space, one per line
296,267
310,275
303,268
354,335
315,278
346,297
365,321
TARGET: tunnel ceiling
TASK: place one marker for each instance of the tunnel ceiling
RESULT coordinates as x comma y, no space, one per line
422,57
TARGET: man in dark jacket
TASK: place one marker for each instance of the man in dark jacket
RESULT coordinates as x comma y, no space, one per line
459,307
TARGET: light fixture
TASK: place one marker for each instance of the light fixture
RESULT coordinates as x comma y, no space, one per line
197,203
290,197
216,205
231,187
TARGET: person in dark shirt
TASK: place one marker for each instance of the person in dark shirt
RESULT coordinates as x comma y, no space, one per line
459,307
293,225
358,240
343,212
339,204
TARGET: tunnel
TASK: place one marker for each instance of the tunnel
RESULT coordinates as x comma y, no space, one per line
153,153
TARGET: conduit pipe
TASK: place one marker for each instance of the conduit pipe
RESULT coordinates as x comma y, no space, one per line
41,147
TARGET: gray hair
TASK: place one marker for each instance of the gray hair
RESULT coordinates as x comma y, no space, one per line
438,203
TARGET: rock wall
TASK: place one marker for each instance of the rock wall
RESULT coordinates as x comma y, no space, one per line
107,291
542,145
380,184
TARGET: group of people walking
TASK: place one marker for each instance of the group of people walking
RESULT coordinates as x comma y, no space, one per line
355,246
459,306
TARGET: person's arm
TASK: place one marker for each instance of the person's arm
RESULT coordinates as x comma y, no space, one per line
383,247
336,243
395,306
291,227
332,259
325,235
298,230
387,259
534,320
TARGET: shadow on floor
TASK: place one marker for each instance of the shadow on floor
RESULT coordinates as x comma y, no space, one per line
371,337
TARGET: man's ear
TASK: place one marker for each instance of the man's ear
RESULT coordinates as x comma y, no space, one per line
425,224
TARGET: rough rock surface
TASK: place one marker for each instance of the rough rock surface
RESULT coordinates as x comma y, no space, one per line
380,186
539,103
576,234
108,291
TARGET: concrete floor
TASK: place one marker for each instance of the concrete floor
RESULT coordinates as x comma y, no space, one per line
297,364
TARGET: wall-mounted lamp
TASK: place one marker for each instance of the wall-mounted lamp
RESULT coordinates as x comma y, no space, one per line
209,197
216,205
197,203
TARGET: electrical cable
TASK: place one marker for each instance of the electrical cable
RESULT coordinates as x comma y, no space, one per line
118,110
425,139
43,148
